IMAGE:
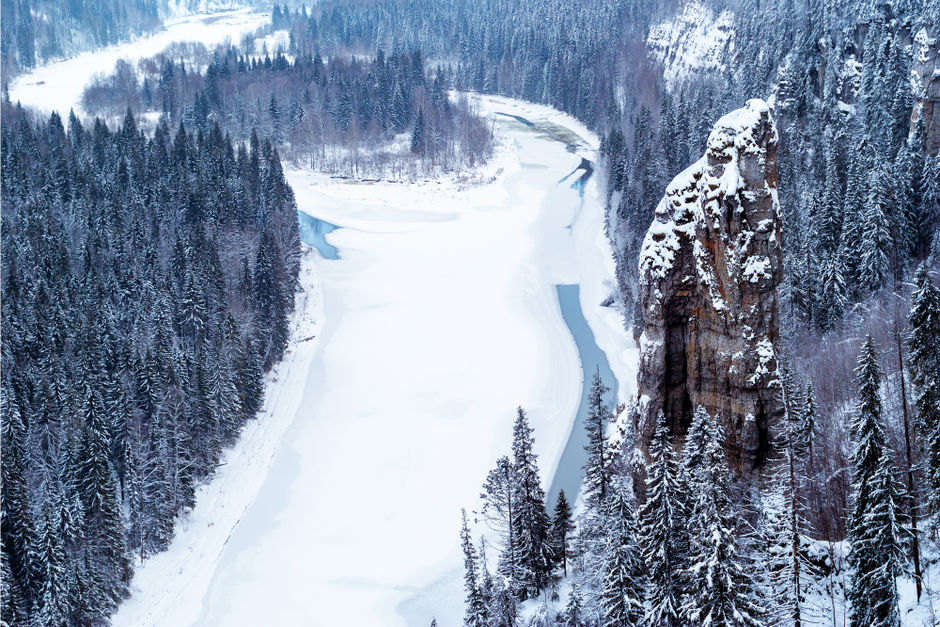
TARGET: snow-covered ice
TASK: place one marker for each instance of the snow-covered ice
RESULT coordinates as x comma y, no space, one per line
341,503
440,317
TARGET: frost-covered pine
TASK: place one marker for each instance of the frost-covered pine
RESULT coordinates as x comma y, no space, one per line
530,521
475,610
876,554
55,602
664,532
783,561
833,293
574,613
876,241
925,371
500,512
597,466
623,591
562,526
721,591
696,441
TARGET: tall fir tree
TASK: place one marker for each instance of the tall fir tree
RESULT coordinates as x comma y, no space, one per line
562,526
664,532
597,469
876,553
721,592
476,611
623,591
531,522
925,370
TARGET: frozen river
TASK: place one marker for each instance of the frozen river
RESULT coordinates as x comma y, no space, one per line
441,316
410,352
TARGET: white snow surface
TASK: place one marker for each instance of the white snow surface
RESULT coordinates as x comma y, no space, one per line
58,86
341,505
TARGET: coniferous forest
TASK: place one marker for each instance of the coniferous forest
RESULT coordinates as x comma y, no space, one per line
147,285
151,255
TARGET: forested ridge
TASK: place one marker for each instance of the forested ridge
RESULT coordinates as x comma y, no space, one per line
147,282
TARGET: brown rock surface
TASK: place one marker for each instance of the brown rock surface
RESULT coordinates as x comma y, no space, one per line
925,80
709,269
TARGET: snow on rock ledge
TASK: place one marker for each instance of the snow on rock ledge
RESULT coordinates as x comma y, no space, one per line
709,269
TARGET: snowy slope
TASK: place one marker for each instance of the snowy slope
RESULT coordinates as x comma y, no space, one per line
694,42
163,585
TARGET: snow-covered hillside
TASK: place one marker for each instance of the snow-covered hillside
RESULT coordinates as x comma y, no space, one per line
694,42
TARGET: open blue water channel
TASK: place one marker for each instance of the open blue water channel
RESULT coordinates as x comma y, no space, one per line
313,232
569,474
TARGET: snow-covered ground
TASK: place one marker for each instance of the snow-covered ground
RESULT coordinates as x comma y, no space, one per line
440,317
58,86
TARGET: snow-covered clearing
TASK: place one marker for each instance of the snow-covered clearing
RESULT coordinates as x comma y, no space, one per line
58,86
440,317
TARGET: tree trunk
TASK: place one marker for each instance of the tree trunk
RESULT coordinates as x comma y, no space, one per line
911,487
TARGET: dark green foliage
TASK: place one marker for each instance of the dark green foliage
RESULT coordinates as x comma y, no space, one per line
562,527
597,468
131,353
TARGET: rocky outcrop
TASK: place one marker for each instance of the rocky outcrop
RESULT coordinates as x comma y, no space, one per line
925,84
709,270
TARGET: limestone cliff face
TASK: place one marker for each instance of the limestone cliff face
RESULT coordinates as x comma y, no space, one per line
925,84
709,270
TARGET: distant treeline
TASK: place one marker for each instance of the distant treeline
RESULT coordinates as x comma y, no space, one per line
342,115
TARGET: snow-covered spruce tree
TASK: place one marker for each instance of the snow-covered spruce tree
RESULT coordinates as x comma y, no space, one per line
574,613
562,526
694,448
531,522
499,509
782,556
504,606
475,610
597,466
876,554
876,248
623,591
55,600
925,370
781,523
664,532
99,490
721,593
